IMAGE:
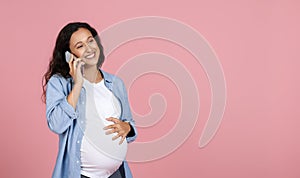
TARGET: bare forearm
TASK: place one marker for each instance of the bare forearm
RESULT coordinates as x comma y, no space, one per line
72,98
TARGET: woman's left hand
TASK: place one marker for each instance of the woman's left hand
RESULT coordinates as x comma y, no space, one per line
119,127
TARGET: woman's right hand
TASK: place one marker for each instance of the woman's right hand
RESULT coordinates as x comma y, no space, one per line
75,65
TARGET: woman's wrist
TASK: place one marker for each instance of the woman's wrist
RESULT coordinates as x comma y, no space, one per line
131,132
78,85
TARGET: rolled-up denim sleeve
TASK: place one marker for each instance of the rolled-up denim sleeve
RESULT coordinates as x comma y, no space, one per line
128,116
59,112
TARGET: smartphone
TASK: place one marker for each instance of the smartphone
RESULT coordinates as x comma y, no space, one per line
68,58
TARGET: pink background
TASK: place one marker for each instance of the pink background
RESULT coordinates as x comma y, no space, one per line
257,43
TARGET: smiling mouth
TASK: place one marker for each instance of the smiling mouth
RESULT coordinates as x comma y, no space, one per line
90,56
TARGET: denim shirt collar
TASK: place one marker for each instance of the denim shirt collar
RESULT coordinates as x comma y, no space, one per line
108,80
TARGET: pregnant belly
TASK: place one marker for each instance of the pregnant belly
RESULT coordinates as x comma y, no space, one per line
98,151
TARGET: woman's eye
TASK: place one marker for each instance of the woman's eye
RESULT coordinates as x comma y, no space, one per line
79,46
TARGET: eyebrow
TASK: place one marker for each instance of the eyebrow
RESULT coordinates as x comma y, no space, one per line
81,41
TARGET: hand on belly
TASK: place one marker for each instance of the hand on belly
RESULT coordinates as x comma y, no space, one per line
119,128
95,134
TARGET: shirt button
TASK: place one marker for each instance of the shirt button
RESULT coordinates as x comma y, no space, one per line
81,122
78,141
77,162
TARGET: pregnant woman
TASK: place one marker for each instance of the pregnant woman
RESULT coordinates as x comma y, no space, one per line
87,107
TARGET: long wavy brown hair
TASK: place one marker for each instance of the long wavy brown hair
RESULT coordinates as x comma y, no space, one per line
58,64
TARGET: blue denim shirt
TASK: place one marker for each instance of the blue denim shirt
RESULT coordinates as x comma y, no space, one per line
65,121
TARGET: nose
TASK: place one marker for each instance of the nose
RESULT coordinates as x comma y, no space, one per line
88,48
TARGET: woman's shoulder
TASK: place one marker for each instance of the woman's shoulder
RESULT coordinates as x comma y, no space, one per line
57,78
111,77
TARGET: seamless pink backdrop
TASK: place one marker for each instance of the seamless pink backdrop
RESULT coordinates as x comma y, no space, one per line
257,43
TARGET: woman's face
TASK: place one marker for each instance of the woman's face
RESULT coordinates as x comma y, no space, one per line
84,46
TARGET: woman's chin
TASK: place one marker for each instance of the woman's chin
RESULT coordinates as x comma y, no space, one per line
89,64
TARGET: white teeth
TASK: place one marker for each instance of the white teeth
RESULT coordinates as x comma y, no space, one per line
90,56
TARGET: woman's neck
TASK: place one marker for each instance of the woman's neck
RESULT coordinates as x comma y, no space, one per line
92,74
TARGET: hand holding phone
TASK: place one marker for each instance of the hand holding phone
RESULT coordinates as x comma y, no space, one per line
68,57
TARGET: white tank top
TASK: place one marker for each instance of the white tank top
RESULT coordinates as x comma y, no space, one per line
100,156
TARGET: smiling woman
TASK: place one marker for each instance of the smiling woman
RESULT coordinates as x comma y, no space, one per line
83,44
82,104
